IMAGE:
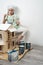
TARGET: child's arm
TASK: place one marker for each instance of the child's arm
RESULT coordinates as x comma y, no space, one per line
4,19
16,18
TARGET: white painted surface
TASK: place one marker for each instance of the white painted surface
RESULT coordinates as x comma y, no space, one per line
2,43
4,26
20,29
31,15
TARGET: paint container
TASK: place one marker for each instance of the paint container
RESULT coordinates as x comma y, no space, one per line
9,56
28,46
13,55
21,49
22,43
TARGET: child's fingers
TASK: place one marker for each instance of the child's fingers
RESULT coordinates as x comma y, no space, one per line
5,15
17,22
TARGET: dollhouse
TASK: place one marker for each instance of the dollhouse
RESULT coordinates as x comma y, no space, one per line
8,37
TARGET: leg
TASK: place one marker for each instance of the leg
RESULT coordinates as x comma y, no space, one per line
20,38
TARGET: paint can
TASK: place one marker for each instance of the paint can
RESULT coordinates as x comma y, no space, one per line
9,56
28,46
21,49
22,43
13,55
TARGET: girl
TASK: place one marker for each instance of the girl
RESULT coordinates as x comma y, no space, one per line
10,17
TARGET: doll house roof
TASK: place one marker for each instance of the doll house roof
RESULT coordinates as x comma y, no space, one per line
19,29
4,26
11,28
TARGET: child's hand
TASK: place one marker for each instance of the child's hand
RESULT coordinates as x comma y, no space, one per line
17,22
5,15
4,19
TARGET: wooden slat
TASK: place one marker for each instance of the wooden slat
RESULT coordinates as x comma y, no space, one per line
22,55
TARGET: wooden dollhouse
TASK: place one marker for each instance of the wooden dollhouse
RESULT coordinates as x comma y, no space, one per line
8,37
8,41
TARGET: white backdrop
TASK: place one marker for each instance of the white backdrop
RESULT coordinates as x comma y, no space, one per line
31,15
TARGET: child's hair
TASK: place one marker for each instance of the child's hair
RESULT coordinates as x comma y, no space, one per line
10,7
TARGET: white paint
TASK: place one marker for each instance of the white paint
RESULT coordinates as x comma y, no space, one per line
31,15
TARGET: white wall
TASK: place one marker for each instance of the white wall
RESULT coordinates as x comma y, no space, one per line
31,15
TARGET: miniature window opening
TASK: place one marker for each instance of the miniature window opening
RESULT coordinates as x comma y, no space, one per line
12,34
13,43
0,36
0,48
8,46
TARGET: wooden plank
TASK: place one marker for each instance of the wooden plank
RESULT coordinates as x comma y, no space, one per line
22,55
3,56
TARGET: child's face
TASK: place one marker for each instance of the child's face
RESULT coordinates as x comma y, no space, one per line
11,11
